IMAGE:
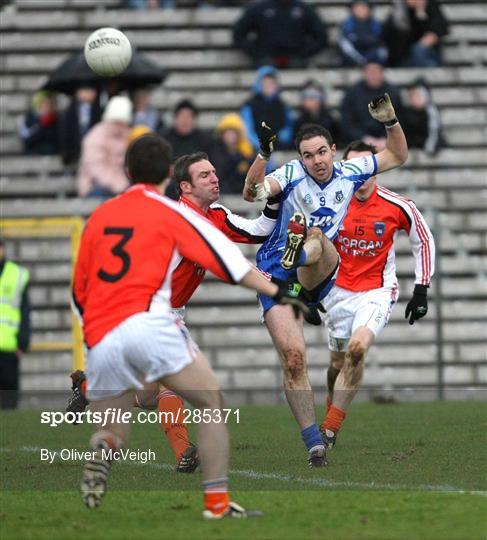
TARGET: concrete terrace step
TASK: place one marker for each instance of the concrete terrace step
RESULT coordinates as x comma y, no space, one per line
474,13
181,39
292,79
406,182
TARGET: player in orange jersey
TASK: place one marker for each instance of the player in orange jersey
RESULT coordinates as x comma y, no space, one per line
122,289
198,186
366,288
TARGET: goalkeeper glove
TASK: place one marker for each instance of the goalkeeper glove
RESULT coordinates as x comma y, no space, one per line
285,298
267,138
381,109
418,305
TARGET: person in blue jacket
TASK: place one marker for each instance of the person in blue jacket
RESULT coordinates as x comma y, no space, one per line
361,36
266,105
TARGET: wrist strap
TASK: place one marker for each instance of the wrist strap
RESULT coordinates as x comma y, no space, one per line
263,156
391,123
421,289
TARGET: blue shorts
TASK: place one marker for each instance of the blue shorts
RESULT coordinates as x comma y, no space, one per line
273,267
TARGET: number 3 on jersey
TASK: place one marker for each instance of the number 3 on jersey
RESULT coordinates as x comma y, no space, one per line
118,251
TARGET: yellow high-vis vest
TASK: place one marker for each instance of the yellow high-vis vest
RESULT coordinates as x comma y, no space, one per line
13,281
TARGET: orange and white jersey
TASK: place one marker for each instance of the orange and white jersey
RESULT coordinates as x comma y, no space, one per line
366,239
188,276
129,250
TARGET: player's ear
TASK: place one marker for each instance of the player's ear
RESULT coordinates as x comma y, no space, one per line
185,187
333,149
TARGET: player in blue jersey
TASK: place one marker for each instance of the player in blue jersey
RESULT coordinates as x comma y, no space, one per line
315,194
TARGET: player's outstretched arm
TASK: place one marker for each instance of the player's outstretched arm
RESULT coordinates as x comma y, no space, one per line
257,186
396,150
255,280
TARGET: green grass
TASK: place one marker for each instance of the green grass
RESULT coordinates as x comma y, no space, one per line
409,471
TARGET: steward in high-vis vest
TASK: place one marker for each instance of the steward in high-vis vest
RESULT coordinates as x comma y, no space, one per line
14,326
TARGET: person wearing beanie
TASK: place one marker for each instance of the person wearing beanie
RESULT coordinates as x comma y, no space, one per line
314,110
266,105
101,171
233,153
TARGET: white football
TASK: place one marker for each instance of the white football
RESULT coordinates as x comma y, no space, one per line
108,52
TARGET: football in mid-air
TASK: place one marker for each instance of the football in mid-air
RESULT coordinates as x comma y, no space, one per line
108,52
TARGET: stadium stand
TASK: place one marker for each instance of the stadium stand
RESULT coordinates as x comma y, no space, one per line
195,47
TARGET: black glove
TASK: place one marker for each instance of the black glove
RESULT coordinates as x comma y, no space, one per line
267,138
314,316
418,305
285,298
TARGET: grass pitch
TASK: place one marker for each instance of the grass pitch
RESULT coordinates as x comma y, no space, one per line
409,471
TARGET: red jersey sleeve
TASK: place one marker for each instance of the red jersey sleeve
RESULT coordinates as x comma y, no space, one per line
239,229
199,241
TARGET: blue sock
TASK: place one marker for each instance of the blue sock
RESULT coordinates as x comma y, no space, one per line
311,437
301,258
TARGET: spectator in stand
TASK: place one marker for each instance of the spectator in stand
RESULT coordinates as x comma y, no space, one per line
148,4
314,110
137,131
101,170
185,137
144,113
74,123
361,36
421,119
266,105
233,154
39,127
284,33
413,33
356,121
184,134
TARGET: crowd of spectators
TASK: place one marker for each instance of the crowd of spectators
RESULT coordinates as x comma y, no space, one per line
287,33
93,132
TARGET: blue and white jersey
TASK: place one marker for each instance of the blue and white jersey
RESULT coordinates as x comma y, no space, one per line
323,205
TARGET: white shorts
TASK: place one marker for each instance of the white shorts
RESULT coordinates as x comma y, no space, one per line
146,346
347,310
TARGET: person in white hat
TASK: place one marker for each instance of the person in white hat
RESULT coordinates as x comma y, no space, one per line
101,170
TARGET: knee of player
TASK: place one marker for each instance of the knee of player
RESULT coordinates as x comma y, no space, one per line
148,403
357,350
208,399
337,363
315,232
294,363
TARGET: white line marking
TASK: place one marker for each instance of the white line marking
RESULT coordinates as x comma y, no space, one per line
320,482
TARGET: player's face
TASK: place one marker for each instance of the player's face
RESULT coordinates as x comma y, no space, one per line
205,186
317,156
367,188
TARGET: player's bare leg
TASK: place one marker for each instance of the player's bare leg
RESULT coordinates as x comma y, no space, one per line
337,360
347,382
321,259
198,385
287,334
170,407
151,397
111,437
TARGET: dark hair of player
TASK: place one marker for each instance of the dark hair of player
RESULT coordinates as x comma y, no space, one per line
359,146
148,159
181,168
308,131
